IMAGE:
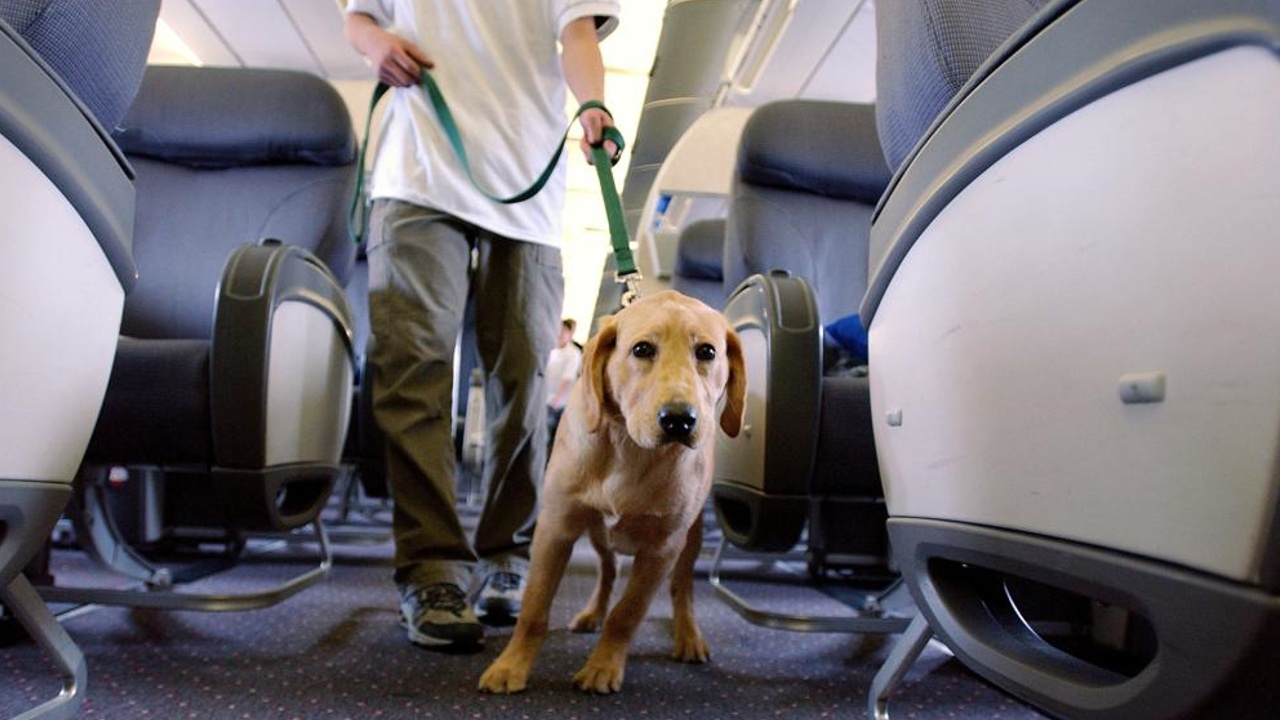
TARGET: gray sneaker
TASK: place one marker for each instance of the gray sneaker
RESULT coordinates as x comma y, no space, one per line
499,597
438,616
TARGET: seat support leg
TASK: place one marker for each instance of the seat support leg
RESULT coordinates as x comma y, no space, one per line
900,660
103,539
872,621
166,599
22,600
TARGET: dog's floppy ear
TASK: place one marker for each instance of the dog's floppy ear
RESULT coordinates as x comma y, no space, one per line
735,390
595,358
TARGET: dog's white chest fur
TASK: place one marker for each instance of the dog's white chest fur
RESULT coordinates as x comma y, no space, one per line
619,540
631,533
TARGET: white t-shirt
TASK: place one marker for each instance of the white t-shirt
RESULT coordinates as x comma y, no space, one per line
563,364
497,63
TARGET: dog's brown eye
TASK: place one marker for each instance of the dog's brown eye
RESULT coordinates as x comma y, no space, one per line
705,352
643,350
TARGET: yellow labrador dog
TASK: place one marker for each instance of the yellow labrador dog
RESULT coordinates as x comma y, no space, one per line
631,467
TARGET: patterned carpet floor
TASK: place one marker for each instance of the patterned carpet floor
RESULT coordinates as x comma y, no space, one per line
335,651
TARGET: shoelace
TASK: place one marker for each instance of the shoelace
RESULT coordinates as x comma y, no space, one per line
505,581
446,597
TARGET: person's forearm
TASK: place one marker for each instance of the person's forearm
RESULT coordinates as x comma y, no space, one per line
581,59
584,74
361,31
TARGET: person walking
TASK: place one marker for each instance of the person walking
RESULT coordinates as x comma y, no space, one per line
563,367
436,242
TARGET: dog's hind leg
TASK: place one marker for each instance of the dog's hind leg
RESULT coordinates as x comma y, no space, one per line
689,643
593,614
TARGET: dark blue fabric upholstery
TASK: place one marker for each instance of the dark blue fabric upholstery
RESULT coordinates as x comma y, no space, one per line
699,268
701,249
825,148
237,117
808,176
158,406
927,50
227,156
98,48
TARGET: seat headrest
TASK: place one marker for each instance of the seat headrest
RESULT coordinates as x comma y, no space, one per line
700,249
820,147
98,49
928,50
227,117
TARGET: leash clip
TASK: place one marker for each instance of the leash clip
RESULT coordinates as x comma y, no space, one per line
632,283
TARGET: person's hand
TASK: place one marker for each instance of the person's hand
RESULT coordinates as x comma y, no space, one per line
399,62
593,123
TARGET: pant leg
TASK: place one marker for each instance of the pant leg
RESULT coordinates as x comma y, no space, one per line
419,263
553,425
519,299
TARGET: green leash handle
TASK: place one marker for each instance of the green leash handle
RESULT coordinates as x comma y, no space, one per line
626,272
626,269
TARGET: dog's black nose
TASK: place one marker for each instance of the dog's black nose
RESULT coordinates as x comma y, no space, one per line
677,420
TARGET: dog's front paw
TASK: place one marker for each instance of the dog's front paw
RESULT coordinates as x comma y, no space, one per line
691,648
598,679
587,621
504,679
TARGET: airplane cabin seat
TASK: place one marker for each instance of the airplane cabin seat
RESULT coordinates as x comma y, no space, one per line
1070,316
804,469
230,395
67,202
699,263
808,175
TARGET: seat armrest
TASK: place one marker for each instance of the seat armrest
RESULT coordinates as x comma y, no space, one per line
282,364
258,280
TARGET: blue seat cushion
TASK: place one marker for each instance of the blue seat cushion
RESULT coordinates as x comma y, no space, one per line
157,411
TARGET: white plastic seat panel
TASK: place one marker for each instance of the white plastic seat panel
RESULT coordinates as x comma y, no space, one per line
1136,235
308,387
60,309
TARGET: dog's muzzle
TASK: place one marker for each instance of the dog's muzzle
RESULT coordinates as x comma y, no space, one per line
678,421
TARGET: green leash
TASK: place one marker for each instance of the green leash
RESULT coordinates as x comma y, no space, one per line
627,274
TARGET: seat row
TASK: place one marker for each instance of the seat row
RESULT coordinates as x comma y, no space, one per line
1059,428
1053,226
177,321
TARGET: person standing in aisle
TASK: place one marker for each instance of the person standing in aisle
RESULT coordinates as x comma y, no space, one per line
563,367
435,241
